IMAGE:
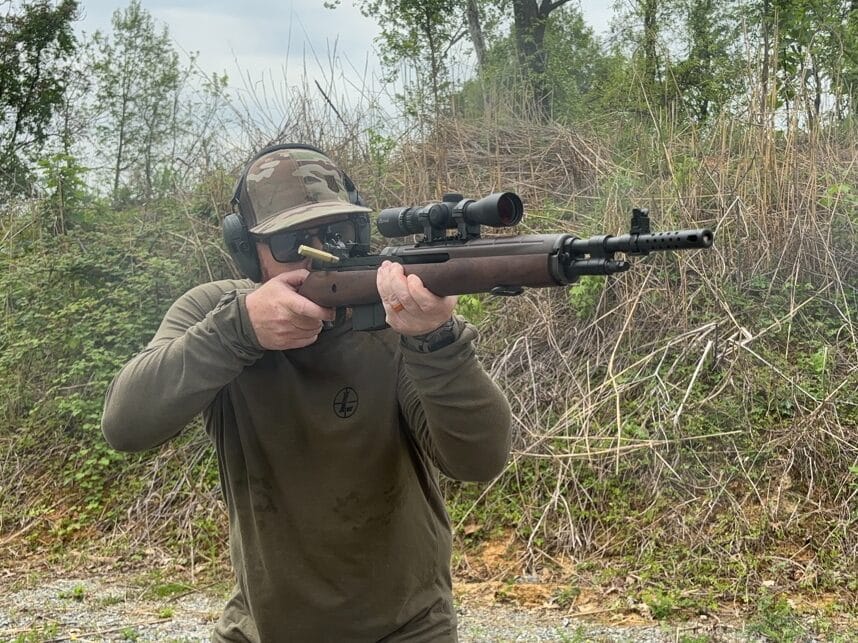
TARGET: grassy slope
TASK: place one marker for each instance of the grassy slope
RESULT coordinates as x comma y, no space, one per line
687,431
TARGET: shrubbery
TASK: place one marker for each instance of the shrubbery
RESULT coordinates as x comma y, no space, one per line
77,306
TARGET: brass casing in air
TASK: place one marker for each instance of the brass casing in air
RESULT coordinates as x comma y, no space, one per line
319,255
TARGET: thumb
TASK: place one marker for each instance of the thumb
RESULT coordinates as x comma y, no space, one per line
292,279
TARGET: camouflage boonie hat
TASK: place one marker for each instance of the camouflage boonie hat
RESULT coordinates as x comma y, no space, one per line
287,188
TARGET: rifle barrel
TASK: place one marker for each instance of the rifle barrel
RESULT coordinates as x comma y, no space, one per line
642,243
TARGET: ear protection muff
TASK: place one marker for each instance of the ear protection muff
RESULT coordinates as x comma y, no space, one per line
236,236
241,247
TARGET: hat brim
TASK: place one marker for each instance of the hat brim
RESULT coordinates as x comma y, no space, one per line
307,213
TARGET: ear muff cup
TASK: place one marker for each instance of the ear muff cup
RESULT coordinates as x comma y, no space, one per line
241,248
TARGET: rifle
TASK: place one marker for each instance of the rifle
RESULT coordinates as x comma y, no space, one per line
464,262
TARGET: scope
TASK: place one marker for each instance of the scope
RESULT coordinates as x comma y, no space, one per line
499,210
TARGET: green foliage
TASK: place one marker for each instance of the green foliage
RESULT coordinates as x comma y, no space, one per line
584,295
662,604
137,76
109,601
77,593
420,33
809,48
575,63
574,73
694,638
579,635
566,596
709,75
168,589
77,306
36,41
46,632
472,308
776,620
688,58
842,198
381,148
64,182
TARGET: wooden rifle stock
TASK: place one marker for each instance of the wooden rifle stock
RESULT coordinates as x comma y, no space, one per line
482,265
501,265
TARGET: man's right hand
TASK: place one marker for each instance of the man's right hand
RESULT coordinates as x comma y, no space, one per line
283,319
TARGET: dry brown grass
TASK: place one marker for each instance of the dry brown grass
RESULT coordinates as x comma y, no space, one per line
689,388
676,423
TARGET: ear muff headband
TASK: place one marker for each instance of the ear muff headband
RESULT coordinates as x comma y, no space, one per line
236,235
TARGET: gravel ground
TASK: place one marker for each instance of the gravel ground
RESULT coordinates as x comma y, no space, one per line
102,609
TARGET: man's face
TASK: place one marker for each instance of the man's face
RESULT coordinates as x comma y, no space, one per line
271,267
278,253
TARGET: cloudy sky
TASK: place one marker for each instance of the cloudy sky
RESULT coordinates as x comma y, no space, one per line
252,38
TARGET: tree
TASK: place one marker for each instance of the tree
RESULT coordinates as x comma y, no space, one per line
831,57
575,64
138,80
648,21
530,19
708,76
424,32
36,39
801,31
421,33
475,28
849,79
649,13
809,55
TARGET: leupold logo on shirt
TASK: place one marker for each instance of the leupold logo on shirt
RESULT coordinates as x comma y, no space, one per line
345,402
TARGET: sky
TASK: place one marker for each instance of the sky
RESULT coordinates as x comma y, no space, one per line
252,39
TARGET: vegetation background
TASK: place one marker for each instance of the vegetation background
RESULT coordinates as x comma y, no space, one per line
686,433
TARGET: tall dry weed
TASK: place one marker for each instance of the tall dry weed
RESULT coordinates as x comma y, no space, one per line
708,397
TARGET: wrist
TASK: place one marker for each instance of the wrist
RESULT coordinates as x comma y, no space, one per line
232,316
434,340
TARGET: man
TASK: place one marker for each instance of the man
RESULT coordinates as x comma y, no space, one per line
329,441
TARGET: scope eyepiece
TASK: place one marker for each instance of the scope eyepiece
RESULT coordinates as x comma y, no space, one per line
499,210
399,222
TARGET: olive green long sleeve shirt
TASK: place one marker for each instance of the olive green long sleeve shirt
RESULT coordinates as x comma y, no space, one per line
329,458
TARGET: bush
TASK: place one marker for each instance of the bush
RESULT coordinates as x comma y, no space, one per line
77,307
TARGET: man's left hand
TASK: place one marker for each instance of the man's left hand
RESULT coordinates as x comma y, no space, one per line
411,308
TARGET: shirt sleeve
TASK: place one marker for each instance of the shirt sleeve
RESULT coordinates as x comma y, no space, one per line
204,342
458,415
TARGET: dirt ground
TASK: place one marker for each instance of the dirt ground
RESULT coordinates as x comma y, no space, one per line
128,607
86,597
